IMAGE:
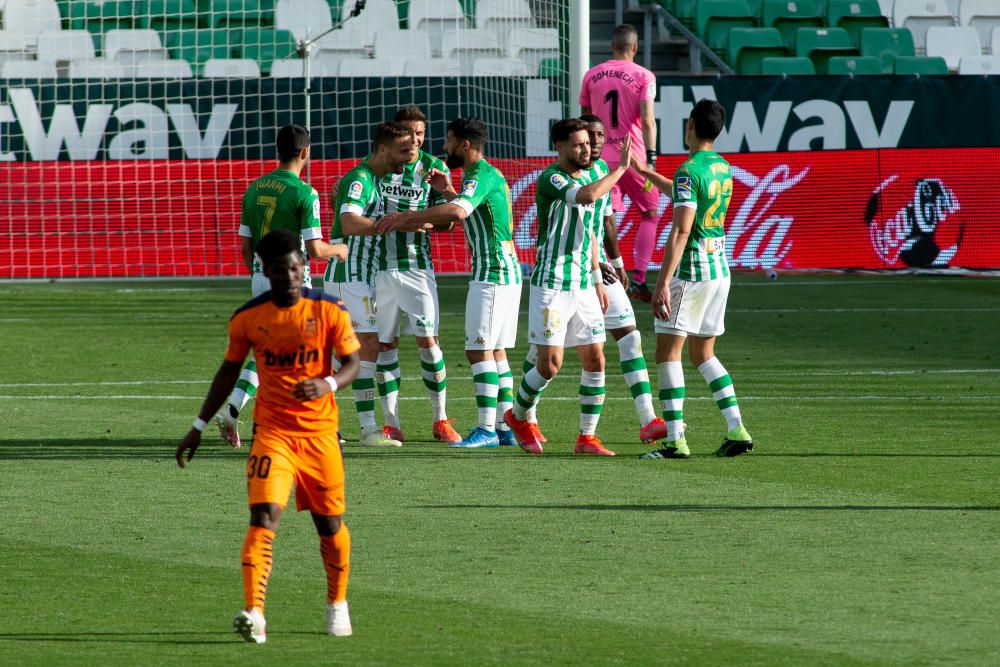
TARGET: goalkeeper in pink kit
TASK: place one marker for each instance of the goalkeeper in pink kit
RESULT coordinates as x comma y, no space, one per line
622,93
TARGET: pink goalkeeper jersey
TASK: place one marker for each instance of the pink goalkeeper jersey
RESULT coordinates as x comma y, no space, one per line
613,91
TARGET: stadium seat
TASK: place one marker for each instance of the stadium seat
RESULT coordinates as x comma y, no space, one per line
378,15
198,46
99,17
796,66
995,42
430,67
967,66
345,43
501,16
953,43
29,69
685,11
748,46
918,16
715,18
983,15
885,6
402,44
436,17
166,15
265,45
63,46
30,18
302,18
236,13
358,67
14,47
162,69
551,68
533,45
131,46
821,44
839,65
887,44
787,17
499,67
96,69
467,46
856,15
920,65
230,68
287,69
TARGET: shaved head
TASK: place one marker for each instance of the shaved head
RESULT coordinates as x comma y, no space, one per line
624,38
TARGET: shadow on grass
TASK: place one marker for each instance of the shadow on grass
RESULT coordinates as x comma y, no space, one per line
728,508
179,637
106,448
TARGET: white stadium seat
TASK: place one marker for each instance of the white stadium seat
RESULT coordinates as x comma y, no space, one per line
466,46
499,67
995,42
133,46
13,47
65,45
402,44
294,68
919,15
983,15
303,18
431,67
533,45
347,42
28,69
501,16
96,69
162,69
436,17
885,6
377,15
230,68
979,65
953,44
358,67
30,18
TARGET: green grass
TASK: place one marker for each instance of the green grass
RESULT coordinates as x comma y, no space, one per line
863,529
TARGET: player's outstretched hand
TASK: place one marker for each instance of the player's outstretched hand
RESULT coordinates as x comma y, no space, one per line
661,303
627,160
639,165
439,180
602,298
608,274
310,390
190,444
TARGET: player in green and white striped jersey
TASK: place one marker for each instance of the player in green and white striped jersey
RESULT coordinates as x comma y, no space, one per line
493,302
567,300
619,320
405,284
693,308
277,200
357,207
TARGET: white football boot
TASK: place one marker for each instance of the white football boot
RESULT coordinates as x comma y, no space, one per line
338,619
252,626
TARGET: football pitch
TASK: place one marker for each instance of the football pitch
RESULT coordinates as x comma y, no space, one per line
863,529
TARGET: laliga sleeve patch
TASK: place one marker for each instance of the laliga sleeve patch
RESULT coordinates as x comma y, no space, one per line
316,208
683,187
356,189
469,187
651,90
559,181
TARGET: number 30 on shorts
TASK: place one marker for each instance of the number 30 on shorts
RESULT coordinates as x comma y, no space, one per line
258,467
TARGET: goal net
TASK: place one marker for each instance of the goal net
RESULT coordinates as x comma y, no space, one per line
129,130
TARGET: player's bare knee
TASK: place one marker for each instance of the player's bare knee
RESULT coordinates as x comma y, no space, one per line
618,334
425,342
265,515
476,356
326,525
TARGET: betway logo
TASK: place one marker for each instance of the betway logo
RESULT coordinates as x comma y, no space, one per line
785,125
401,191
144,134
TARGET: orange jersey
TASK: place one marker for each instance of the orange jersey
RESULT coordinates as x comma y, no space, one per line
292,344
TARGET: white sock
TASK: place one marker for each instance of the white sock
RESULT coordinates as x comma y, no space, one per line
387,376
532,384
672,397
591,400
505,396
721,385
364,396
637,376
435,379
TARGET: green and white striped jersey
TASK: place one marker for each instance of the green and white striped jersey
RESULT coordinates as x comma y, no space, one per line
409,191
489,227
704,182
280,200
603,208
357,193
565,231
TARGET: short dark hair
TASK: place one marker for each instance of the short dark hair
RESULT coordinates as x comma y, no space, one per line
277,244
624,36
562,129
709,119
291,140
410,113
471,129
389,132
591,118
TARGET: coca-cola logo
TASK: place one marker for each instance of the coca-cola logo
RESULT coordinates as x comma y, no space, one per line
908,234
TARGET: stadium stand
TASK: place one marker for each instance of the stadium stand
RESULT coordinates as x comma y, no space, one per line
984,16
13,47
354,67
302,18
30,18
96,69
198,46
919,65
790,66
533,45
821,44
402,44
64,46
265,45
162,69
749,46
28,69
378,15
236,13
995,42
975,65
170,15
919,15
499,67
468,46
715,18
887,44
128,47
953,43
787,17
854,16
230,68
854,65
435,17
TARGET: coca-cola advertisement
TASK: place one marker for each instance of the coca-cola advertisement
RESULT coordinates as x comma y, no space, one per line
871,209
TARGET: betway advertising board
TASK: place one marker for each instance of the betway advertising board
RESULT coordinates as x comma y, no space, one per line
874,209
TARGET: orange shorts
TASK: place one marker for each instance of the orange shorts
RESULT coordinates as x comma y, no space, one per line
313,464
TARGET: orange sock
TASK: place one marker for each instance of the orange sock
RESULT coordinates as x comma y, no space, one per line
256,560
336,552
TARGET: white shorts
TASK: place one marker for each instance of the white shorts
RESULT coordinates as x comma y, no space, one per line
411,292
564,318
620,313
491,313
260,284
696,308
360,301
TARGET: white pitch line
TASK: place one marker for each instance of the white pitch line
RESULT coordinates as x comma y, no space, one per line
53,397
862,310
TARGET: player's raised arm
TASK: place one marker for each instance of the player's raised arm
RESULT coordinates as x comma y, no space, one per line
662,183
590,193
